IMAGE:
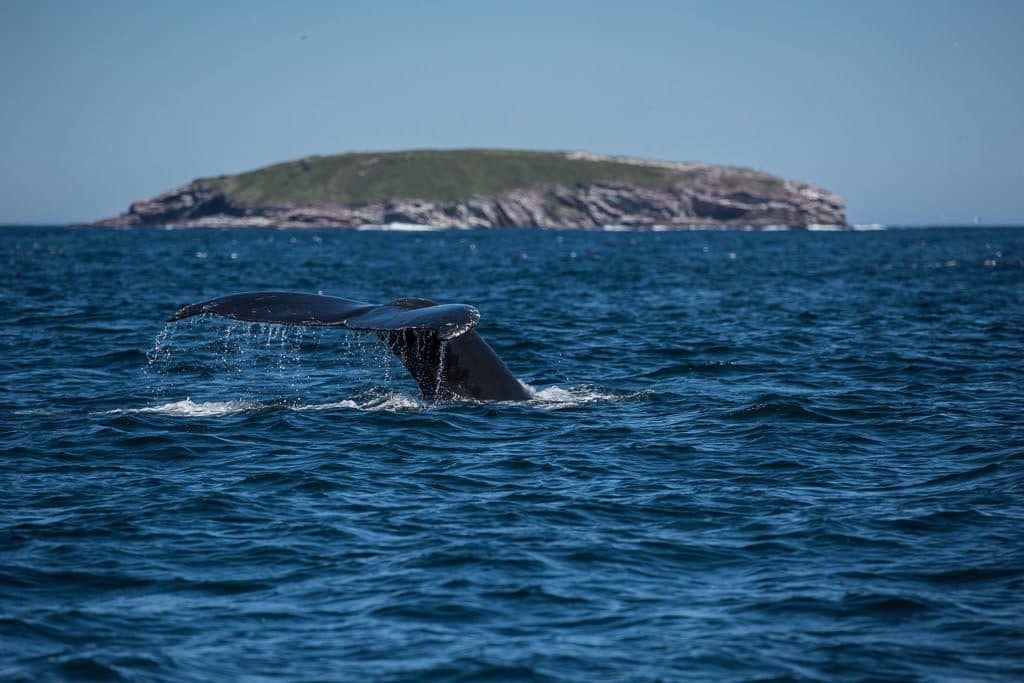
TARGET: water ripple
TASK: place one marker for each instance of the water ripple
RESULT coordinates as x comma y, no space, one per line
749,456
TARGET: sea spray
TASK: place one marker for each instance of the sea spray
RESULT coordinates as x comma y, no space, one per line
439,378
251,362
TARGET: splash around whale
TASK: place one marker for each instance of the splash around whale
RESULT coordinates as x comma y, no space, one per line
437,343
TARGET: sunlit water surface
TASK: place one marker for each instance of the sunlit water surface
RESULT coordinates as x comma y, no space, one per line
785,455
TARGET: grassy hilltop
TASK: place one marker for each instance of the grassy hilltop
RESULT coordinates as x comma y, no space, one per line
441,175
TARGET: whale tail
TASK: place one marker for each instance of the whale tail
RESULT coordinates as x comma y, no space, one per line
437,343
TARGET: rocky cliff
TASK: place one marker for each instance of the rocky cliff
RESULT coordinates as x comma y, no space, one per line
610,191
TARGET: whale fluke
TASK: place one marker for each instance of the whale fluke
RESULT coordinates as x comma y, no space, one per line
437,343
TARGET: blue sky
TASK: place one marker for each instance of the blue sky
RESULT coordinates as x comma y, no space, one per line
912,111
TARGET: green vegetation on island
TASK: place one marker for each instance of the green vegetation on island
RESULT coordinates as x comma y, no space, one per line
443,175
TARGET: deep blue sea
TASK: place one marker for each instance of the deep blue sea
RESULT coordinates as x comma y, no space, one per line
785,456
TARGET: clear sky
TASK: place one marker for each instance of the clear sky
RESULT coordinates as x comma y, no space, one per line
912,111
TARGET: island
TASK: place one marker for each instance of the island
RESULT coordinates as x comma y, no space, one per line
488,188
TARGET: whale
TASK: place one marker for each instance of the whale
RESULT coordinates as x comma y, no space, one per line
437,343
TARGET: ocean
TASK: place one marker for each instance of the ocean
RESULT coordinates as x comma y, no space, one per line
784,456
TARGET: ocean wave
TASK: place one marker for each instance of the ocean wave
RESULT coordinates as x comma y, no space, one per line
810,453
551,398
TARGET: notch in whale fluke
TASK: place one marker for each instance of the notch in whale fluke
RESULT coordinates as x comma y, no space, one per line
437,343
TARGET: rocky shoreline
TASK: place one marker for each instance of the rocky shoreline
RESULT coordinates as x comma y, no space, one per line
704,195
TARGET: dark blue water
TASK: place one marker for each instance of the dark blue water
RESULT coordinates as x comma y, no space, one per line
771,456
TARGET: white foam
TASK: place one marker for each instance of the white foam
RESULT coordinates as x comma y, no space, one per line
393,401
402,227
189,408
36,411
326,406
555,397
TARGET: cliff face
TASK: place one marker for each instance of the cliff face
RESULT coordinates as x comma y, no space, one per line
691,195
